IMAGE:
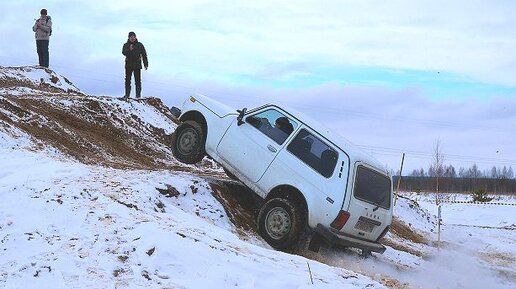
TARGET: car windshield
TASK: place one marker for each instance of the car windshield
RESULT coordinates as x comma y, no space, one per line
373,187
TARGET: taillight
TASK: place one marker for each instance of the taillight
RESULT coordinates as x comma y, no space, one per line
340,221
383,233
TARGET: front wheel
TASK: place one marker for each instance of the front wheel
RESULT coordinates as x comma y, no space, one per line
280,223
188,142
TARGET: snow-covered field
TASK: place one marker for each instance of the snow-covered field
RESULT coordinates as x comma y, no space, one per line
67,225
478,245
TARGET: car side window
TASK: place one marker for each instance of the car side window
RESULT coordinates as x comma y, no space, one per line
314,152
273,124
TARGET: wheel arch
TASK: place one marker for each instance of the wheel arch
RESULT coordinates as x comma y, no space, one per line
291,193
197,117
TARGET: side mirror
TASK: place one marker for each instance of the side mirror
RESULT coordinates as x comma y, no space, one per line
240,116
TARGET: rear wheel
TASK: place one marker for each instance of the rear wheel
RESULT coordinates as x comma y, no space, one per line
281,223
188,142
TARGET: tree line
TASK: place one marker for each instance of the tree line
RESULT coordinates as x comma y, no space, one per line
497,180
472,172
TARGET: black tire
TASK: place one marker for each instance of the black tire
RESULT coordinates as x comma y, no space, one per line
281,223
188,142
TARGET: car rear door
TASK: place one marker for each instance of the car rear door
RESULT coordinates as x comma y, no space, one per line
371,204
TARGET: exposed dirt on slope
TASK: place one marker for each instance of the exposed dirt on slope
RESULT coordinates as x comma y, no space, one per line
401,231
240,203
399,228
92,130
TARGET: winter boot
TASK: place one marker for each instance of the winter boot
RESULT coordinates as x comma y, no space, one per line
127,93
138,92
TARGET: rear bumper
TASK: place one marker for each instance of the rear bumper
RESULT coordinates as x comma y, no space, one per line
346,241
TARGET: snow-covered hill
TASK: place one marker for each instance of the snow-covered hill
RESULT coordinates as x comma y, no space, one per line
91,197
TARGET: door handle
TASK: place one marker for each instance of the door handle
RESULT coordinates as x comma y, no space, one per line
272,149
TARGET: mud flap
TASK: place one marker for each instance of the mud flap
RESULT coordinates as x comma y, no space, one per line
366,254
176,112
315,242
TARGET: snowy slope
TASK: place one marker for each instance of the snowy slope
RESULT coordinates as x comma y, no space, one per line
30,79
69,225
82,208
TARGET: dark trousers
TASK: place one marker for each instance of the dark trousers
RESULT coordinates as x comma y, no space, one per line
137,80
43,55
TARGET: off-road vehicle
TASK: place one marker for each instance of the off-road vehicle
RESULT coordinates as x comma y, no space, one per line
308,176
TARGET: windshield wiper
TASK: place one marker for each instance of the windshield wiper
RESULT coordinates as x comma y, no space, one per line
378,202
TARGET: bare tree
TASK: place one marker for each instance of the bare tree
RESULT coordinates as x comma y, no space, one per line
437,167
449,171
474,172
494,173
504,172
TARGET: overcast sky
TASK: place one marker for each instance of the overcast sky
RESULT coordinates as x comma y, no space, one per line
390,76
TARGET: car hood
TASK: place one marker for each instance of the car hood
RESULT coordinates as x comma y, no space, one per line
215,106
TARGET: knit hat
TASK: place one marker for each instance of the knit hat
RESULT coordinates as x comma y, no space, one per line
131,34
43,11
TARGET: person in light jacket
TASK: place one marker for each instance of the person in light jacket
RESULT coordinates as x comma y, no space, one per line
43,30
134,52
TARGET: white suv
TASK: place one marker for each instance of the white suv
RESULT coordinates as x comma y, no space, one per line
307,175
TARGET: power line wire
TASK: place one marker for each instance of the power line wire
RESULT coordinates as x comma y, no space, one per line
425,155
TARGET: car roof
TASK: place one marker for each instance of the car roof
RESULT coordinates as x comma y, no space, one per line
355,153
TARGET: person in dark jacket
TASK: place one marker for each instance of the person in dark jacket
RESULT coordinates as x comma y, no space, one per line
284,125
134,52
281,130
43,30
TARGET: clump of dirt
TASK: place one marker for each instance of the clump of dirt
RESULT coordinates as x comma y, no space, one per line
161,107
401,231
393,283
169,192
399,228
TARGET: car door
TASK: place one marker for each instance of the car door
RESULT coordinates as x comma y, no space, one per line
252,146
370,208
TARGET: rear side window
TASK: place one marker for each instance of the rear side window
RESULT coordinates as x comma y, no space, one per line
373,187
314,152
